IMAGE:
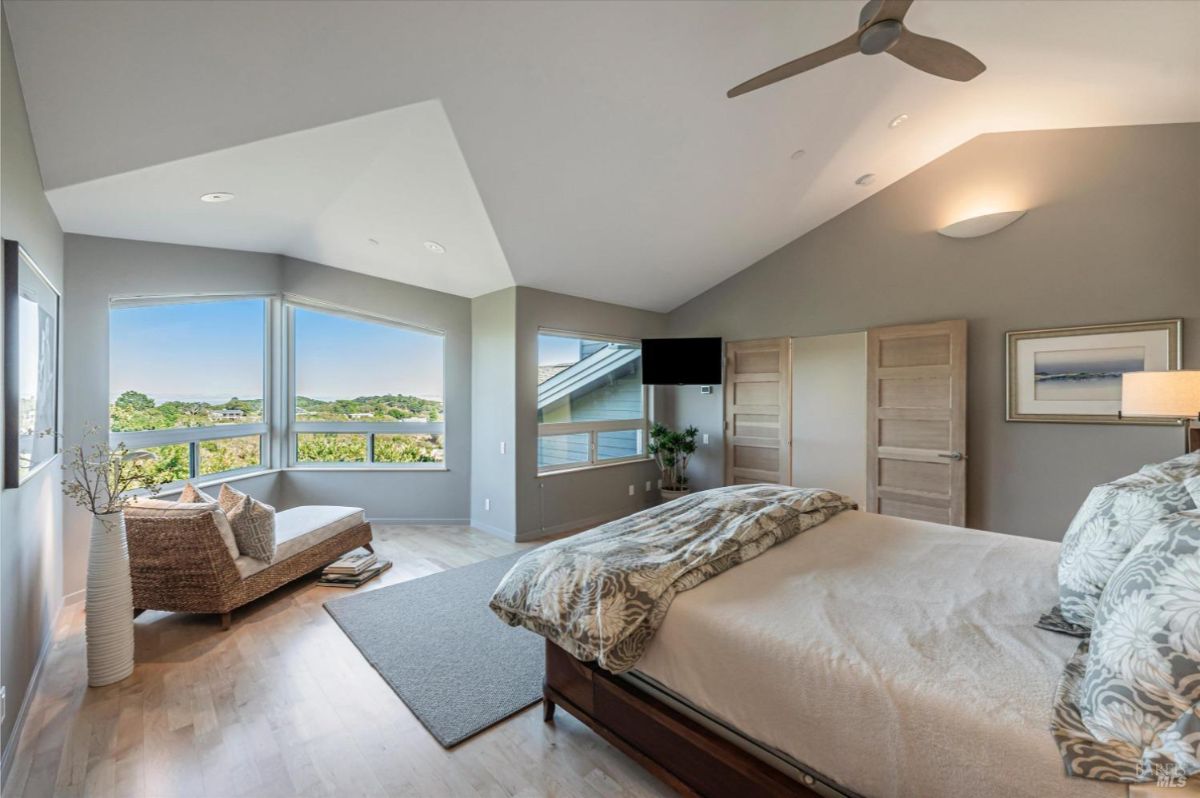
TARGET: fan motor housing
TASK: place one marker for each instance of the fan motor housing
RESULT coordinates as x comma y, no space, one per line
879,37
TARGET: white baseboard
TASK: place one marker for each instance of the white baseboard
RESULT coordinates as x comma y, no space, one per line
14,739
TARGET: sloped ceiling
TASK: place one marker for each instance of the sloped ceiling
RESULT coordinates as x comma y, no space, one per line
596,134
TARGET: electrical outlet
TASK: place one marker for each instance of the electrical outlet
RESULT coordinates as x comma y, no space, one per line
647,486
704,439
3,704
503,447
631,490
487,504
660,484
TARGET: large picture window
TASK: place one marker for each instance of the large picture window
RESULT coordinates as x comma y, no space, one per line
365,391
591,401
187,381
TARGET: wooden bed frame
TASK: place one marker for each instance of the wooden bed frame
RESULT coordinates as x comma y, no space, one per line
690,758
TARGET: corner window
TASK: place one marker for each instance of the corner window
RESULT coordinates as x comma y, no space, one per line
365,391
591,402
187,381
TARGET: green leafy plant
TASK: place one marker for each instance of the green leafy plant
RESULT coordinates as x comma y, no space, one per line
671,450
102,478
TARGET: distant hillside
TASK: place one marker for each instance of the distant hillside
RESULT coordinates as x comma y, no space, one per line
134,411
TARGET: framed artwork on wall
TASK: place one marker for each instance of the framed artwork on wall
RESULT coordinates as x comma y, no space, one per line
1073,374
31,336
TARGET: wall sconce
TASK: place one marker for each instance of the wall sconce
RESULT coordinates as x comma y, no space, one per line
977,226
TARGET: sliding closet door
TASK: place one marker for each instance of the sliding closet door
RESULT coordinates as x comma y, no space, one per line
917,421
758,411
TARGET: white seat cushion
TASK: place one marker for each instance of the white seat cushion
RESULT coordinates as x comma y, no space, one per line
301,528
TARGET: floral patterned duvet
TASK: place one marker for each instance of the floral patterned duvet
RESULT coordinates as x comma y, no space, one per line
601,595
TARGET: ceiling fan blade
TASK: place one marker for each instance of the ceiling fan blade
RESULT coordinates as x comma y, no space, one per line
888,9
847,46
936,57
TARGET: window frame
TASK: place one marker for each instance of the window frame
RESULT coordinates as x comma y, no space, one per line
593,428
292,428
192,436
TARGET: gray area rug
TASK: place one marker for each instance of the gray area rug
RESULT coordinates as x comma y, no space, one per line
458,667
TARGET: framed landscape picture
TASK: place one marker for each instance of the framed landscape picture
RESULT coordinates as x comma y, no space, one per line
31,306
1073,374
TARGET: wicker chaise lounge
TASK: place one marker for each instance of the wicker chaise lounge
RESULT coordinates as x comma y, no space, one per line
183,558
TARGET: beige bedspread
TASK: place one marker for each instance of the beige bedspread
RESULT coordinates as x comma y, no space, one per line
896,657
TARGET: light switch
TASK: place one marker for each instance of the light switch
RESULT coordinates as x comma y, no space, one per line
704,439
504,447
631,490
487,504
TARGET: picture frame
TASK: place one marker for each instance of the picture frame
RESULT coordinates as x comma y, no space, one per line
31,366
1072,375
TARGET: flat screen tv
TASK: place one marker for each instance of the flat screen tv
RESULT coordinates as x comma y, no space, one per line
682,361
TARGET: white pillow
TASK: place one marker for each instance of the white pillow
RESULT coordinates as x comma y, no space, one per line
1177,468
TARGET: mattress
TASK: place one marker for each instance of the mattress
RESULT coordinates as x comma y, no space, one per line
894,657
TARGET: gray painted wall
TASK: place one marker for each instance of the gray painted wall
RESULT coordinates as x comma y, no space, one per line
30,516
571,500
101,268
493,412
1111,236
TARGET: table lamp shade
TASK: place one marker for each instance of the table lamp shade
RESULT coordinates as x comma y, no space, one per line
1161,394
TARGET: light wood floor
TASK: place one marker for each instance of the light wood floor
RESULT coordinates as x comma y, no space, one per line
284,705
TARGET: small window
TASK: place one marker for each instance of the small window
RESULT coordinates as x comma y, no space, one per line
591,401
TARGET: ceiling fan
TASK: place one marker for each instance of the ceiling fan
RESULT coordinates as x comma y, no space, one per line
880,30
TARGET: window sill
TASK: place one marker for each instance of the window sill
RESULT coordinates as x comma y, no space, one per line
214,480
357,469
593,467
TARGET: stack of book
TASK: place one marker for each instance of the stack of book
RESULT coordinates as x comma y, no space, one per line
353,570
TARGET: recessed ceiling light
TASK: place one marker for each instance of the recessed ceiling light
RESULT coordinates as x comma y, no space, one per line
797,155
866,180
898,121
434,247
373,242
216,196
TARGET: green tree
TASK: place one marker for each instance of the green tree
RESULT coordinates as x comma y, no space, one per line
134,400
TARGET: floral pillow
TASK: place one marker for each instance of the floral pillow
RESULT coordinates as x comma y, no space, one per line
1179,468
1111,522
1131,698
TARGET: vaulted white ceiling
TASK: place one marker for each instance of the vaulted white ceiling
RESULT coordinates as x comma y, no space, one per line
596,134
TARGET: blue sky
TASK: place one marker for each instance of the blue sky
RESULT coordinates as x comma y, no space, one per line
338,358
212,351
200,351
554,350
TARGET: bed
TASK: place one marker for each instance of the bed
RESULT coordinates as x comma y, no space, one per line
922,633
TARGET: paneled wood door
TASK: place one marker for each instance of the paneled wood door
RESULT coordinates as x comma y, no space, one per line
917,421
758,411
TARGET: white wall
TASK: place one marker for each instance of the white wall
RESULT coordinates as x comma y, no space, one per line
829,413
30,516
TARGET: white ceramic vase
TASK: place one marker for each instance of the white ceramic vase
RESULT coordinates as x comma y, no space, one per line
109,602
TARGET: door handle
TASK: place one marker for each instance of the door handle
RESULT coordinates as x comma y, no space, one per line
952,455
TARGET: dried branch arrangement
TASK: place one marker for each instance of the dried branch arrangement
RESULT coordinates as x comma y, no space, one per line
102,478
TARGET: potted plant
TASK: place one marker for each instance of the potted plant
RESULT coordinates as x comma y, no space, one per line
671,450
102,479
